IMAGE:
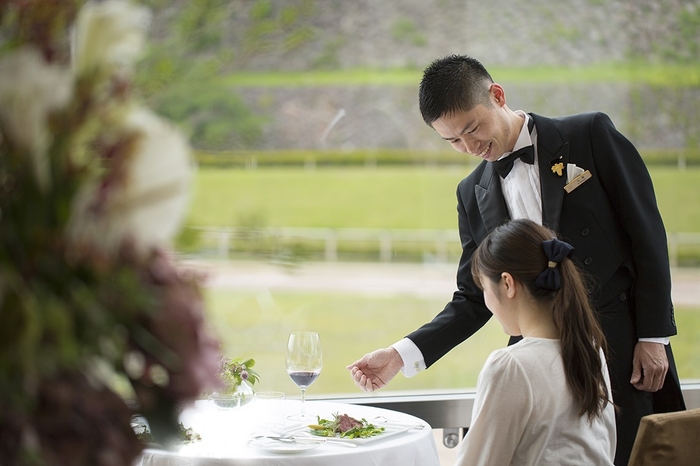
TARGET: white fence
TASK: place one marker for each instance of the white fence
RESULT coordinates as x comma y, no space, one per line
436,245
677,240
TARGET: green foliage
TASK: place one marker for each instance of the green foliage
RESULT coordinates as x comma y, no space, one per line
261,9
328,58
406,30
201,23
563,32
332,427
26,22
184,434
155,4
673,76
234,371
289,15
689,30
683,46
215,117
392,157
672,157
299,37
338,158
184,85
274,28
258,35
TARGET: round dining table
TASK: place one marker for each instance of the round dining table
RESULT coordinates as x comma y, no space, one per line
248,436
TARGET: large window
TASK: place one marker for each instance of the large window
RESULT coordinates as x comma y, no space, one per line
323,202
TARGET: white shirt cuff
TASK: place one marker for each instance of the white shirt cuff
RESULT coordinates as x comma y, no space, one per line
412,357
662,340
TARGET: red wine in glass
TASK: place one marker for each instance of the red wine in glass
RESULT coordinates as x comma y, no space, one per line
303,379
304,361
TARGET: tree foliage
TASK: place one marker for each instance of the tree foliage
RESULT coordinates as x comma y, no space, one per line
181,76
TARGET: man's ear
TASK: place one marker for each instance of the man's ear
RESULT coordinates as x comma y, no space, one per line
498,94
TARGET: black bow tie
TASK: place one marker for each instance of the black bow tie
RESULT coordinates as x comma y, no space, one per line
504,165
526,154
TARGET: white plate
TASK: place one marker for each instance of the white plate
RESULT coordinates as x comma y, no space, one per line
277,446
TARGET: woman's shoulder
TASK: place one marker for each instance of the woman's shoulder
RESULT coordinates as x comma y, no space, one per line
524,354
504,360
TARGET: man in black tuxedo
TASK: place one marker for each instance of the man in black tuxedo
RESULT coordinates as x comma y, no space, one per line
581,178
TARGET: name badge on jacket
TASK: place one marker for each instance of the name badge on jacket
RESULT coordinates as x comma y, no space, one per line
576,176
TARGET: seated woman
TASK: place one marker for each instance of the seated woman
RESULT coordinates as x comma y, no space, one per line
545,400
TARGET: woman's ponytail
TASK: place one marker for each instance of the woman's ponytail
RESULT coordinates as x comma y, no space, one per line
582,340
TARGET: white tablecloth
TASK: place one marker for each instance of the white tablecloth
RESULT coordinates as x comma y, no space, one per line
226,434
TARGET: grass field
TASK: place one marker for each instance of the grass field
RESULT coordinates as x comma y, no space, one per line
670,75
395,198
256,324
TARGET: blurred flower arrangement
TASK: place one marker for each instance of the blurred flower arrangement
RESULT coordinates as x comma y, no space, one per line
97,321
234,372
238,378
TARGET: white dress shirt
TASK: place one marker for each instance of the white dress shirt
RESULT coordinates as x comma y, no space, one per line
521,188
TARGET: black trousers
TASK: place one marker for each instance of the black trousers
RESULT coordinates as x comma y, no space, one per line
631,403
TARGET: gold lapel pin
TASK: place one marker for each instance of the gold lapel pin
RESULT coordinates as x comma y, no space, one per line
558,168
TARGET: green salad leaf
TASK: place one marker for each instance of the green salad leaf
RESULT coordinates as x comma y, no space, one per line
345,426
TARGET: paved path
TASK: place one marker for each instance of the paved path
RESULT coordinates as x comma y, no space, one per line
375,278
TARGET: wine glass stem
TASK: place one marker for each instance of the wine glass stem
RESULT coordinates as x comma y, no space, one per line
303,396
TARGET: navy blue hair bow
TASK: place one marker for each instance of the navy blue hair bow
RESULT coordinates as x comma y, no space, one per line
555,251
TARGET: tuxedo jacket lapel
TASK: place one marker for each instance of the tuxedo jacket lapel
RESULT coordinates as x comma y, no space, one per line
489,197
551,149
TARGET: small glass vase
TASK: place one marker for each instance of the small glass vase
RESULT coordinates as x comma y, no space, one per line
241,396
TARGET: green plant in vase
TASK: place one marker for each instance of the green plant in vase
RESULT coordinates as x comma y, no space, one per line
239,377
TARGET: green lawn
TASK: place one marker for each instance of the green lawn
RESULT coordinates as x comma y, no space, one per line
396,198
257,324
328,197
678,196
671,75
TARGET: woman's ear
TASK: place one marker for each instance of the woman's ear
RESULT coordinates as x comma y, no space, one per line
508,283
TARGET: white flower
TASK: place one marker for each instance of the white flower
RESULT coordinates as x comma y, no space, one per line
30,89
149,204
109,34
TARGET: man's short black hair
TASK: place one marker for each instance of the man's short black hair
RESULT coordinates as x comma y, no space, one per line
451,84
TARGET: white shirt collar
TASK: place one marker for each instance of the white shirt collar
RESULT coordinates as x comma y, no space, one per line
524,138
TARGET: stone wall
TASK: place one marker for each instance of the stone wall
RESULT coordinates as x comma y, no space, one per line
397,33
393,33
361,117
302,35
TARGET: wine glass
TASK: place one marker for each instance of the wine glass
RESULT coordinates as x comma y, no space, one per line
304,362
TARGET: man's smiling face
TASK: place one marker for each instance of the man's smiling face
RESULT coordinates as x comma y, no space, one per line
483,131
